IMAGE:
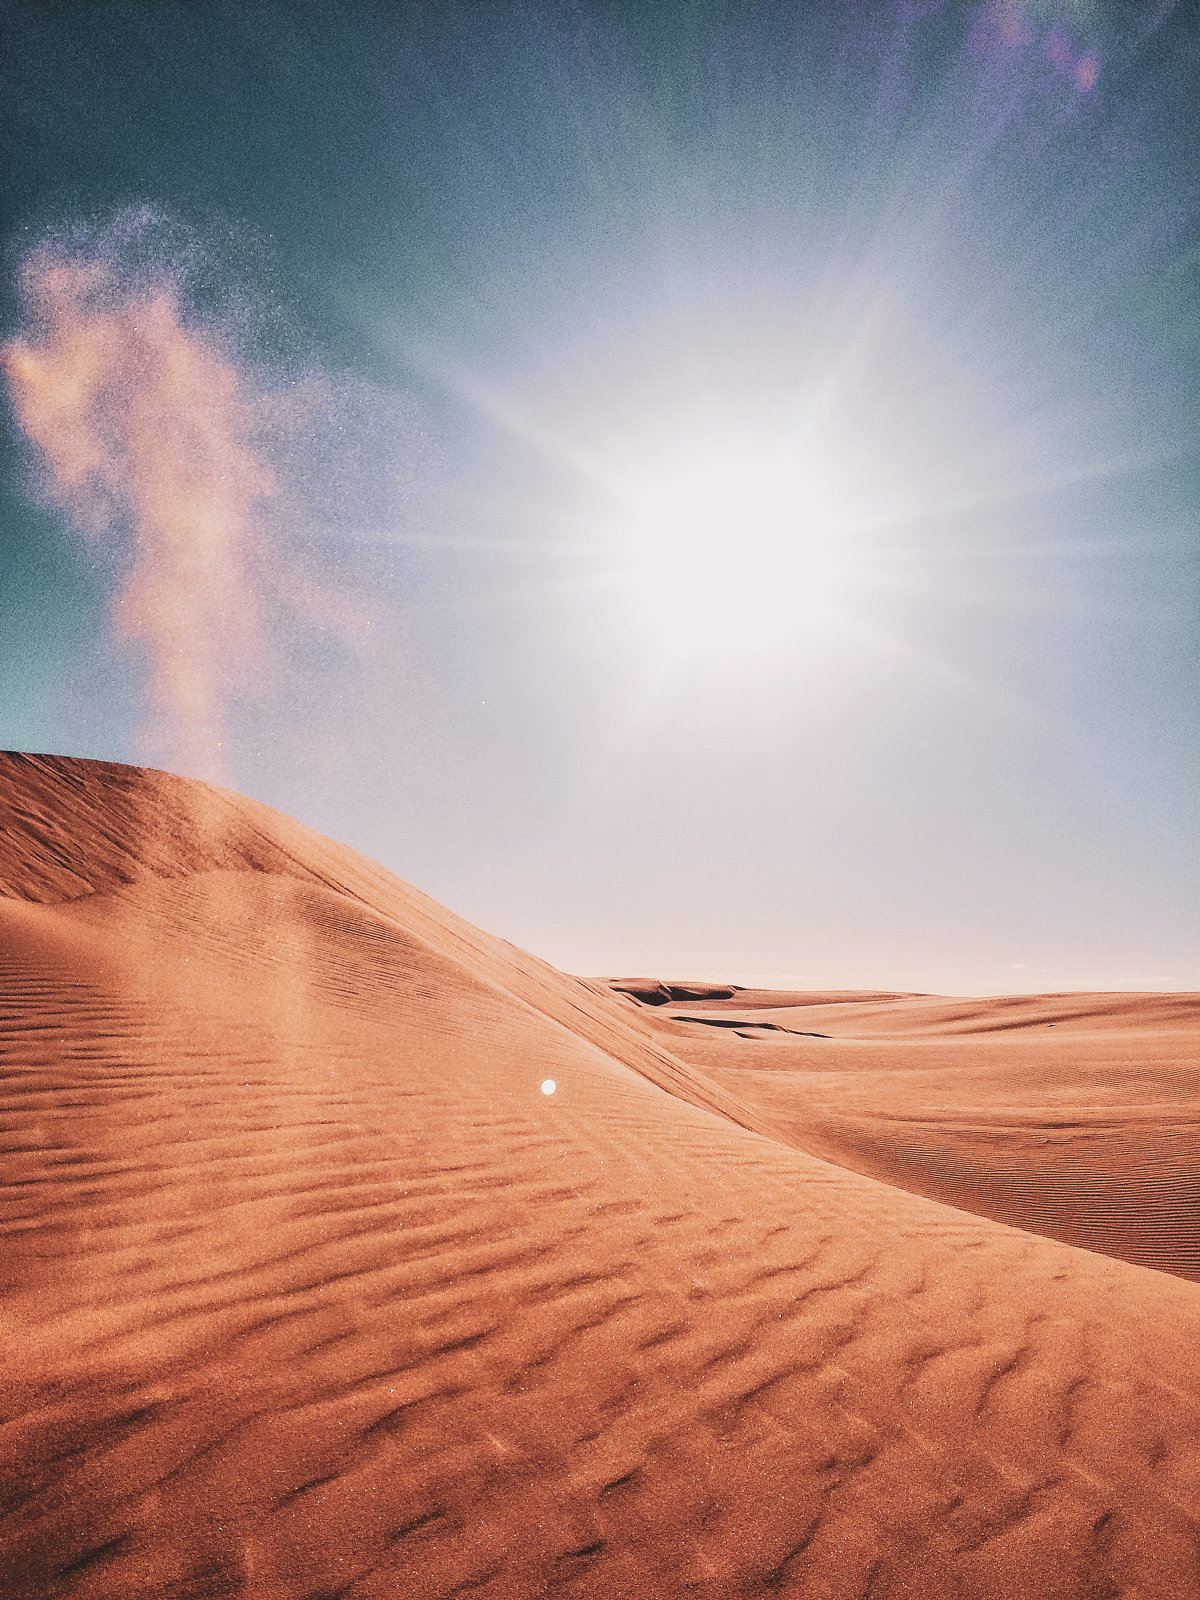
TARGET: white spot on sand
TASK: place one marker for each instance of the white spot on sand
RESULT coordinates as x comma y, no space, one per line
548,1086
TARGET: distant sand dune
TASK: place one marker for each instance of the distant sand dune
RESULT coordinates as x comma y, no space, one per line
1075,1116
311,1292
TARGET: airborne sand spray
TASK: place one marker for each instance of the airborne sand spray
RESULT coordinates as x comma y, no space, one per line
188,464
142,421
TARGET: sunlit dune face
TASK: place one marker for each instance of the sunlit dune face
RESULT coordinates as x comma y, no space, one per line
733,547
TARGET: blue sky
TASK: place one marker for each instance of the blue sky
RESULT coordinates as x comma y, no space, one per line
576,279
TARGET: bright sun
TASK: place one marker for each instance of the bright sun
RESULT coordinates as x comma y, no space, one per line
732,546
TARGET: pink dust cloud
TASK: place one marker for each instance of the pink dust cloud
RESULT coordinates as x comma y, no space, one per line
140,420
180,459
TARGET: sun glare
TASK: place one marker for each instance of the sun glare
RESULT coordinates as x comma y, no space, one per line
732,547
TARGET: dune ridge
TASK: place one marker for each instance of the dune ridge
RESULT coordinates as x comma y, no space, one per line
1071,1115
160,827
309,1291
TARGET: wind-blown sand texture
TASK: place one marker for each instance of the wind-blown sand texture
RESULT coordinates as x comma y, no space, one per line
1072,1115
309,1291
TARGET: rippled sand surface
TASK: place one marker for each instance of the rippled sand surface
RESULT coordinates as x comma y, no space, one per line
310,1291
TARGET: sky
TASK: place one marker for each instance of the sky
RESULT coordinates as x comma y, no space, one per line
705,489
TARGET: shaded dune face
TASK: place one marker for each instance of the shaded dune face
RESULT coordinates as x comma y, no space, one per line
309,1291
1076,1116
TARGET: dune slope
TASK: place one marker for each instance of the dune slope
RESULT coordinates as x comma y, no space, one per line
310,1291
1075,1116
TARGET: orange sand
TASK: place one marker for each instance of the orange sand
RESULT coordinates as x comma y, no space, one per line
1072,1115
309,1291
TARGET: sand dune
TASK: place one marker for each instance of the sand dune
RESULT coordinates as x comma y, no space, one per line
1076,1116
310,1291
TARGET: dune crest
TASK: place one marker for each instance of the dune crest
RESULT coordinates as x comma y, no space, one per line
311,1292
1071,1115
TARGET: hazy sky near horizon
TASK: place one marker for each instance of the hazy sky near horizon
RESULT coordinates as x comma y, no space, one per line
720,479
